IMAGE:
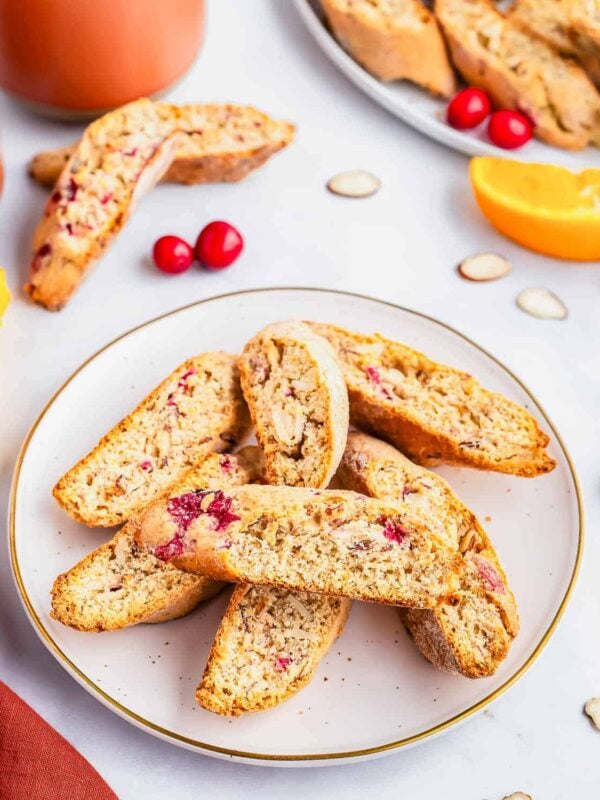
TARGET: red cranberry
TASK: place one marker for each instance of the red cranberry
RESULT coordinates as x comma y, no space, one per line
172,254
468,108
509,129
218,245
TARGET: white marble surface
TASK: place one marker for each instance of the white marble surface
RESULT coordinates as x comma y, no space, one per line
401,245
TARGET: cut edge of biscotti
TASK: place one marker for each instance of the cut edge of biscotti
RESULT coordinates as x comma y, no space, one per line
192,164
118,584
203,394
297,397
268,647
393,44
379,372
470,631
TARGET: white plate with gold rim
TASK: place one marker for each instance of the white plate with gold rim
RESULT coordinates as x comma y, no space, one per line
373,693
425,113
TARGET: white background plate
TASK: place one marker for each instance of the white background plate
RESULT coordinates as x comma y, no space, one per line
417,108
373,691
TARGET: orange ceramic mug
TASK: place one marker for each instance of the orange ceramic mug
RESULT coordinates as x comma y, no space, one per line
79,57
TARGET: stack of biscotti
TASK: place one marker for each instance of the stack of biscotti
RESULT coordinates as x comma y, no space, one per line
570,26
394,40
118,585
120,157
271,641
469,631
171,438
521,71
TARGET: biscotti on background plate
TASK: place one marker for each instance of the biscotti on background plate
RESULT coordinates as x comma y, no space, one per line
197,410
431,412
120,157
469,631
397,40
118,584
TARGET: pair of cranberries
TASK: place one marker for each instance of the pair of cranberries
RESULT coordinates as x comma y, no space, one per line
506,129
217,247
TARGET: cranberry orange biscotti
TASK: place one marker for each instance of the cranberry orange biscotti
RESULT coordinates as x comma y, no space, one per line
268,647
298,401
328,542
469,631
434,413
521,72
118,584
394,41
217,142
197,410
120,157
271,641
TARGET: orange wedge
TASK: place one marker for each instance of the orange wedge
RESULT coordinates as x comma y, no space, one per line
541,206
4,294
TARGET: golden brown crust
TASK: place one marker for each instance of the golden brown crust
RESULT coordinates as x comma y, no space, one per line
397,394
398,42
120,157
470,631
232,695
197,410
521,72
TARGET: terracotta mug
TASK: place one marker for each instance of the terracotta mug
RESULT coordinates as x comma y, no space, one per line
77,58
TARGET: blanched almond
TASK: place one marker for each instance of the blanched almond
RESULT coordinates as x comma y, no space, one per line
541,303
592,709
484,267
518,796
288,427
354,183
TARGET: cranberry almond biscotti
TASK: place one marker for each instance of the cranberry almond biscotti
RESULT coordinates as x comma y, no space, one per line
118,584
298,401
521,72
470,631
197,410
217,142
394,40
120,157
267,648
433,413
308,540
271,641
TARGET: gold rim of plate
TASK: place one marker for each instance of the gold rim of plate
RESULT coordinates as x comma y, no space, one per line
140,721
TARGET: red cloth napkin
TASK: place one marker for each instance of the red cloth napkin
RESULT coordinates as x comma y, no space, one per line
37,763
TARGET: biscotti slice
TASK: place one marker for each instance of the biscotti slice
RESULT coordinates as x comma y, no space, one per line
298,401
218,142
570,26
118,584
470,631
268,647
197,410
521,72
328,542
120,157
393,40
434,413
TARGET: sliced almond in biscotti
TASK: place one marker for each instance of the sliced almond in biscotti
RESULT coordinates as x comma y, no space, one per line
297,397
217,142
469,631
267,648
119,584
521,72
434,413
394,40
327,542
120,157
197,410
